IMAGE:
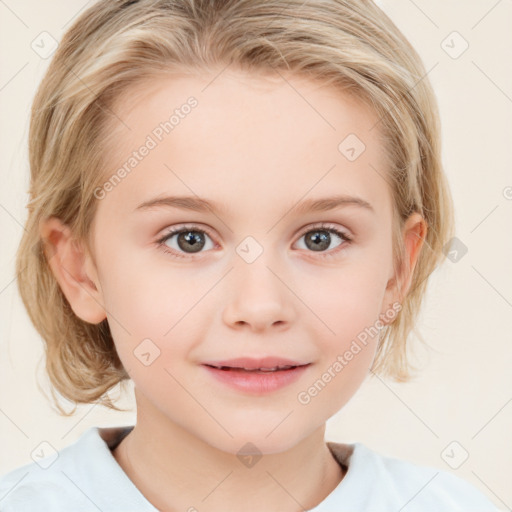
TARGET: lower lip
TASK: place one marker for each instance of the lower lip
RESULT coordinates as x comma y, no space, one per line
255,382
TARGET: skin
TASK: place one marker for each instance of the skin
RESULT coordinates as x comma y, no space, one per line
257,146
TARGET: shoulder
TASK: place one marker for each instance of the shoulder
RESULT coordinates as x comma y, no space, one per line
37,484
395,482
429,485
71,479
22,490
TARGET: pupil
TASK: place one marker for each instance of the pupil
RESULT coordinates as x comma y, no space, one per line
193,238
320,240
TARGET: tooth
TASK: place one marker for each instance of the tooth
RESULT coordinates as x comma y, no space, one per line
272,369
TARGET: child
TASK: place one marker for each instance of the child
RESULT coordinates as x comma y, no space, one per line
299,142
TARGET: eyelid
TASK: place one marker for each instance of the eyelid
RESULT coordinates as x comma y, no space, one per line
200,227
192,226
326,226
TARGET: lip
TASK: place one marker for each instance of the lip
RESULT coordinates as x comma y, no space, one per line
251,363
256,382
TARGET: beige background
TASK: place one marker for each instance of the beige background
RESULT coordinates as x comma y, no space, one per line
464,393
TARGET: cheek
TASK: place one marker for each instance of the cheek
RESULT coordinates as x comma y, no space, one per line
154,318
346,334
347,299
152,299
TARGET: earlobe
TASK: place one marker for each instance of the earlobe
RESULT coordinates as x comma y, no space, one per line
73,269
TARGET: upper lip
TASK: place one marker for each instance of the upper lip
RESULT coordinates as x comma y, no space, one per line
250,363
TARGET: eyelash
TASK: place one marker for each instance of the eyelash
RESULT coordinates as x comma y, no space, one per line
322,227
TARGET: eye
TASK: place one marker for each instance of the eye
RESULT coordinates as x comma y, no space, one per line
189,240
319,239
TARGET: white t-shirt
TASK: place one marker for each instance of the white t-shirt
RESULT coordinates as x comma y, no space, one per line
85,477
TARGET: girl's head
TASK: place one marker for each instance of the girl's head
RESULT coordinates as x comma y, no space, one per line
258,108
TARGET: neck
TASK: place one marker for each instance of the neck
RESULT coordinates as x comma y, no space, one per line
175,470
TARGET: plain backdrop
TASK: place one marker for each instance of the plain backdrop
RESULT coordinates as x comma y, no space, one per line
457,415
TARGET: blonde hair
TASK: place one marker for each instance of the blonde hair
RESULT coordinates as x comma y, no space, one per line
114,45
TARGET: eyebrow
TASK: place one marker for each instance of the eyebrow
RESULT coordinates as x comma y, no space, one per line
198,204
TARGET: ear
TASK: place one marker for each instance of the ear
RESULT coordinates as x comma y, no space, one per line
413,235
74,270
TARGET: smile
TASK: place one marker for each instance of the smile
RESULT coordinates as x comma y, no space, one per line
256,381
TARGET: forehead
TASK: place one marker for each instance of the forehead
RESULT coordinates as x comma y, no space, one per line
236,135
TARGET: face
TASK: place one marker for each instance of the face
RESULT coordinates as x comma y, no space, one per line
258,273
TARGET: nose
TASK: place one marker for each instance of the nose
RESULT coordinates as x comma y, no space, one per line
259,298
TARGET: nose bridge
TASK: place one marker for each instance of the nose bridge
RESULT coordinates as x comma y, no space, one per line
258,295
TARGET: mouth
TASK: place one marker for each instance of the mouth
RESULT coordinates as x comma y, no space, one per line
256,370
256,376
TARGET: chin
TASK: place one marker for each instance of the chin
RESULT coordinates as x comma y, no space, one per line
257,440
